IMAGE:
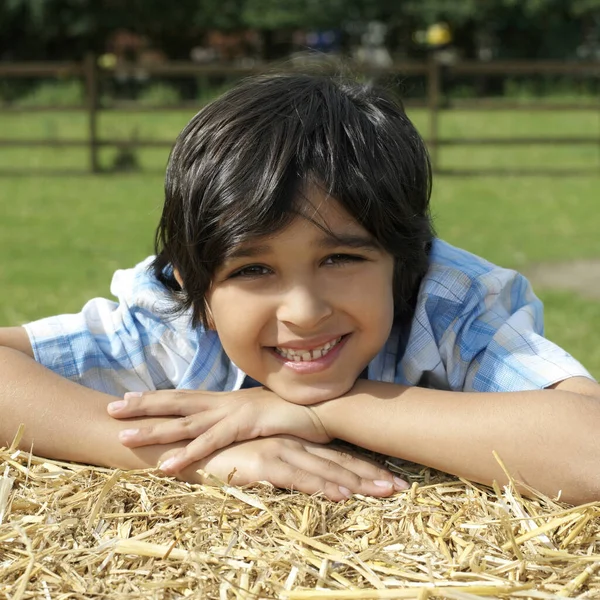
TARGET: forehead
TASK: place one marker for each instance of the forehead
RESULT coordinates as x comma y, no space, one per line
318,218
319,211
319,221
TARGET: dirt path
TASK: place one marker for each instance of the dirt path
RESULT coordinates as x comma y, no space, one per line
580,276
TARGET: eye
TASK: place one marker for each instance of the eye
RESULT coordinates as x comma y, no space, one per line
251,272
342,259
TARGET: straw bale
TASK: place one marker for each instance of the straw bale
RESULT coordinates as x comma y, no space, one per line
75,531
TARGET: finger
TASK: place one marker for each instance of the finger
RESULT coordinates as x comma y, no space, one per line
160,403
328,469
363,467
271,468
221,434
174,430
286,475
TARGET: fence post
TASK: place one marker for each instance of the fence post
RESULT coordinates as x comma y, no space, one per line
433,101
91,80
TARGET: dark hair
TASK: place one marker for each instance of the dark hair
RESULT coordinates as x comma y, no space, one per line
237,169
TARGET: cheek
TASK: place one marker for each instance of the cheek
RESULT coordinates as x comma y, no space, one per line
370,297
378,310
238,319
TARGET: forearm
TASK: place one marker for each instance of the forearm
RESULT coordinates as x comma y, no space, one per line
64,420
547,439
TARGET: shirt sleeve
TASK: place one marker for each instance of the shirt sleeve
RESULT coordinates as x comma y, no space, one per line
496,342
117,346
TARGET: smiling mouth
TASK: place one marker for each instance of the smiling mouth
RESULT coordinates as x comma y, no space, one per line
308,355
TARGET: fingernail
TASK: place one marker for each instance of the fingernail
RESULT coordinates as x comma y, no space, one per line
118,405
345,491
127,434
132,395
400,483
383,484
167,465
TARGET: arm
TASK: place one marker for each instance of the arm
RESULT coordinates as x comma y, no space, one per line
67,421
547,439
482,333
63,420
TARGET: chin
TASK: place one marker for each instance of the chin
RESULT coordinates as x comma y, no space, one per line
307,394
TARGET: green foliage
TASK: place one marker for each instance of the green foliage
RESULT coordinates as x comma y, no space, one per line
12,89
126,157
125,160
430,11
70,28
159,94
526,29
551,89
208,92
275,14
463,91
55,93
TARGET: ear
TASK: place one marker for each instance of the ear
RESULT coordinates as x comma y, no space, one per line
210,322
178,278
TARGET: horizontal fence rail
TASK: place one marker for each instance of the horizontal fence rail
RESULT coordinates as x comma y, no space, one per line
435,103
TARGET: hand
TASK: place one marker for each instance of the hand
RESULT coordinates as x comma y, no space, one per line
213,420
292,463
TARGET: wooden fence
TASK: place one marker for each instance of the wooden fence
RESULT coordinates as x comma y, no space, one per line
435,103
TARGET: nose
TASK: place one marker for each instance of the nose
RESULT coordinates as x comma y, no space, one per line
304,307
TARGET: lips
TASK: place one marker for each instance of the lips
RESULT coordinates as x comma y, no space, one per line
310,365
308,354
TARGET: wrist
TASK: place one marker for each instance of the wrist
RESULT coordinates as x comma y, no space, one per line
328,413
359,415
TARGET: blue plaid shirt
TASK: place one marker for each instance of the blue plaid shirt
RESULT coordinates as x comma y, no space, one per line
477,327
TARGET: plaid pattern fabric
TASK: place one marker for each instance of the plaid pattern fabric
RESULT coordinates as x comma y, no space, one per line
477,327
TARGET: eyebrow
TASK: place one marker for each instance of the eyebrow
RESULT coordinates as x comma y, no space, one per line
329,241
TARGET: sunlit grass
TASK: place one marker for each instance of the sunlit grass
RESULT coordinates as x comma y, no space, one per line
152,126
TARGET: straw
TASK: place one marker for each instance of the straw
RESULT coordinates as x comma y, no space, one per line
74,531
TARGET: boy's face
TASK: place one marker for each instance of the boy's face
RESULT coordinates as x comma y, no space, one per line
302,312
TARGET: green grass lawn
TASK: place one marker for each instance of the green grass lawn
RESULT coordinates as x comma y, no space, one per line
164,126
61,238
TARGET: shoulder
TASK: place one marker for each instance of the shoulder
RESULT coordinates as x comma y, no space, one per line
479,327
459,284
460,277
141,313
138,291
138,285
194,356
138,341
455,274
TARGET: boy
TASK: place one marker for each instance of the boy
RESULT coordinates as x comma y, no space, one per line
299,295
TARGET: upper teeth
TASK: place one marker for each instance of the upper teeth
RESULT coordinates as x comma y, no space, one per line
300,355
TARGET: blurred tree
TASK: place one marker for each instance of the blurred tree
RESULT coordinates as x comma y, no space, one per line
273,17
512,28
54,29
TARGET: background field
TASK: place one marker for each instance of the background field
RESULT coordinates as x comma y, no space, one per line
62,237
